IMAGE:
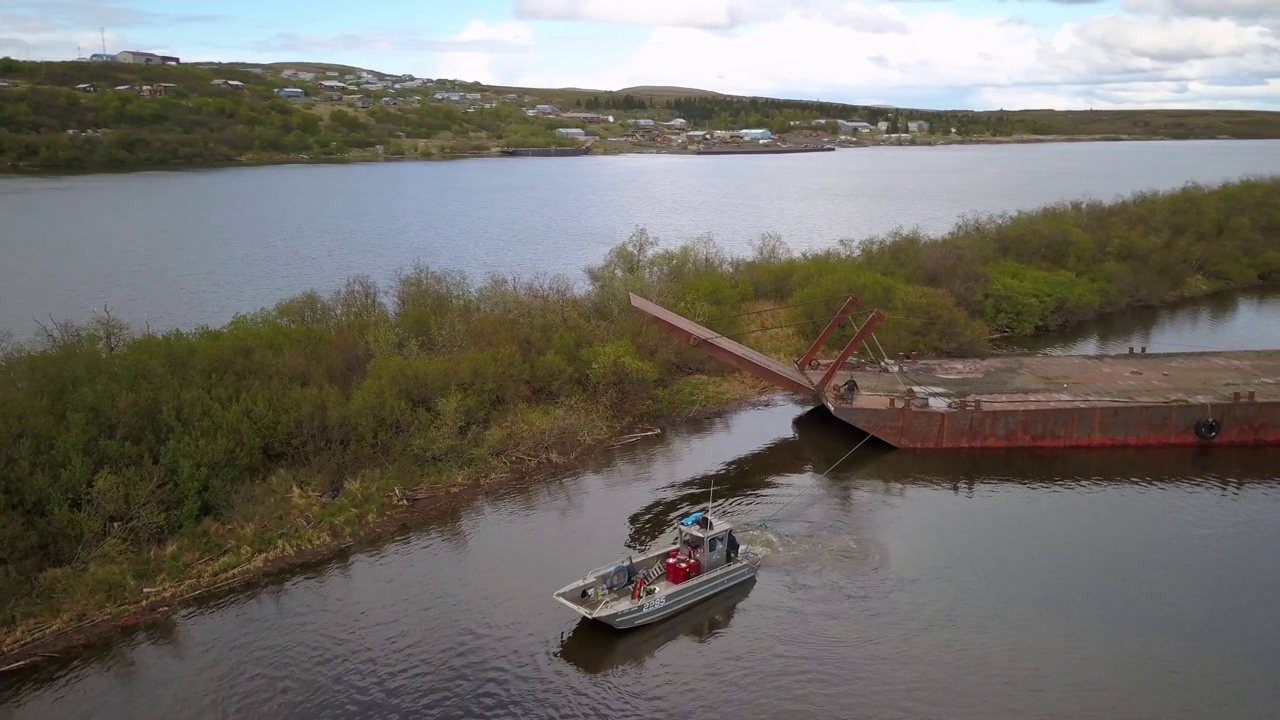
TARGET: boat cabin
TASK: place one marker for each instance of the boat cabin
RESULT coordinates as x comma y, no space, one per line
708,540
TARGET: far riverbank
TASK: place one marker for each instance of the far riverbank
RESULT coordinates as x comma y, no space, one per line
604,147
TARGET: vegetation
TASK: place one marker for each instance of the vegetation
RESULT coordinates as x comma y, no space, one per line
45,123
724,112
138,460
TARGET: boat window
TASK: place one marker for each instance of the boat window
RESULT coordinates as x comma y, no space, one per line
713,544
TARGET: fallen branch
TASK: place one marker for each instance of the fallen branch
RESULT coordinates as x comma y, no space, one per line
408,496
627,439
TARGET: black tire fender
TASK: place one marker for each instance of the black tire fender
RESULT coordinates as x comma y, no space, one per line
1208,429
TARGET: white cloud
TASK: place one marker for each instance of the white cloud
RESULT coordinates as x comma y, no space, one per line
689,13
476,37
478,31
1240,9
52,29
705,14
895,51
1171,40
470,54
798,51
1169,95
468,66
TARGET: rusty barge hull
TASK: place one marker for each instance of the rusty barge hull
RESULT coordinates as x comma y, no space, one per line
1026,401
1069,401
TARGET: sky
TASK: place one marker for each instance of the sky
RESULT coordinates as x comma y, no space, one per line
937,54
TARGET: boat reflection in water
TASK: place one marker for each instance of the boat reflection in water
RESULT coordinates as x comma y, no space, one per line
595,648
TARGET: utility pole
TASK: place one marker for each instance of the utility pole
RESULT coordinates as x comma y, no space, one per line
103,33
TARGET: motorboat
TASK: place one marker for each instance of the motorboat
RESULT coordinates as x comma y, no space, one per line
706,559
596,648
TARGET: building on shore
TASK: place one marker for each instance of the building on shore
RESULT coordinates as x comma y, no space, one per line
137,57
849,127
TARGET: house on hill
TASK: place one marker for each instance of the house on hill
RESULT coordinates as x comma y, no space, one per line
849,127
586,117
136,57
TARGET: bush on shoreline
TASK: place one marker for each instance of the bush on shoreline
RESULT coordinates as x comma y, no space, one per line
129,460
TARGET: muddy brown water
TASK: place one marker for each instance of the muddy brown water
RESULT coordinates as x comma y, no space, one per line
1004,584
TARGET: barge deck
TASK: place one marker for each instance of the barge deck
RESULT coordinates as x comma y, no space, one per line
1133,400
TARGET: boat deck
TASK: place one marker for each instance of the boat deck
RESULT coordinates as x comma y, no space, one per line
1048,381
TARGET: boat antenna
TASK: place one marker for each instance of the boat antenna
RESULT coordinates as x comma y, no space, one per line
711,495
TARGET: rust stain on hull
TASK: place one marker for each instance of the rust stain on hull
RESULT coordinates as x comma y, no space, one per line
1134,400
1068,401
1241,423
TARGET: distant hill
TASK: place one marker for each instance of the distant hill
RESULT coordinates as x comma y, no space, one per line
317,67
666,91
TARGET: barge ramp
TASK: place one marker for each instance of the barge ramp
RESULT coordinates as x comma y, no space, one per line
1130,400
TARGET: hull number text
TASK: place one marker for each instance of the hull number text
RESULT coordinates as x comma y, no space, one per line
654,604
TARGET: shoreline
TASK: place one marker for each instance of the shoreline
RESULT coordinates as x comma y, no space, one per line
608,151
65,642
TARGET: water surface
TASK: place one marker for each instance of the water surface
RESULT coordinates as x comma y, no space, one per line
179,249
1091,583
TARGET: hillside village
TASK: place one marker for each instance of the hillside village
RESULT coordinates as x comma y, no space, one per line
361,90
141,109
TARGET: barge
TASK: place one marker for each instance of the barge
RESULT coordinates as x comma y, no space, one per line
546,152
1031,401
764,150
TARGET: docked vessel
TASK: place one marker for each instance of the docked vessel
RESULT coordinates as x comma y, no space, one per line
1130,400
705,560
764,150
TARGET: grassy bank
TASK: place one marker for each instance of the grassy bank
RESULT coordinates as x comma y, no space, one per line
136,465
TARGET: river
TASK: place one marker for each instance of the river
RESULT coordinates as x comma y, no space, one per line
180,249
1006,584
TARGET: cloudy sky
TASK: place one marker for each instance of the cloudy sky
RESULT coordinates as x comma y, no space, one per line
923,53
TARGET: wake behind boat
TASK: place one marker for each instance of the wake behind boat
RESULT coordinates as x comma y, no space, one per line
706,559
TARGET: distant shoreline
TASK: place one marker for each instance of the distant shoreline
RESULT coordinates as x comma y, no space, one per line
609,151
